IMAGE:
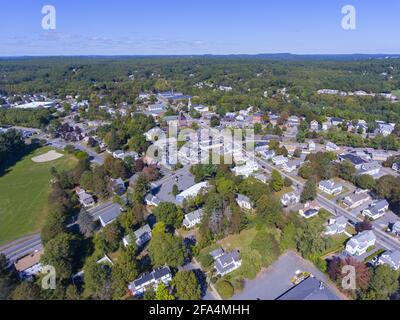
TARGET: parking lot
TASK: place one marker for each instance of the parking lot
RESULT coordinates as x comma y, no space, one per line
275,281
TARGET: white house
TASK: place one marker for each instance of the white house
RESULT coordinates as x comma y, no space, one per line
356,199
279,160
157,107
152,200
29,266
118,154
385,129
139,286
268,154
142,235
84,198
376,210
192,191
336,226
192,219
330,146
310,209
290,199
359,244
291,165
330,187
225,263
311,146
396,228
396,166
247,169
390,258
371,168
244,202
314,125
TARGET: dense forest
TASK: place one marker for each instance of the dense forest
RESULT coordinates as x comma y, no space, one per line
255,81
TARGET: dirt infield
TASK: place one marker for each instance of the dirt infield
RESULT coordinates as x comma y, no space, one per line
47,157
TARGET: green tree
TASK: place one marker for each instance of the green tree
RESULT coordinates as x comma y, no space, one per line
309,191
169,213
269,208
187,286
225,186
97,280
60,252
86,224
276,182
384,282
287,182
55,223
346,170
309,240
124,271
166,249
365,181
175,190
8,278
162,293
26,291
225,289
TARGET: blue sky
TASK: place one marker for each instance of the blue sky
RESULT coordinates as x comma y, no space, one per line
131,27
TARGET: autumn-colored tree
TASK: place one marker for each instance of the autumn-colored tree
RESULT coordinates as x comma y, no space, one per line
337,272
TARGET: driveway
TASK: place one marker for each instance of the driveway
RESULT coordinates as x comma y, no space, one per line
276,280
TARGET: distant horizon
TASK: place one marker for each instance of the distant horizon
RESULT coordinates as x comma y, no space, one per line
277,54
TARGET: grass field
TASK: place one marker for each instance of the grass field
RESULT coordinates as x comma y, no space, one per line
24,191
396,93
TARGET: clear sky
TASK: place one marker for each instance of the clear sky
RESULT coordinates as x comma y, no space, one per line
132,27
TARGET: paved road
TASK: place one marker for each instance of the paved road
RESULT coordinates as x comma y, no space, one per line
276,280
60,144
383,239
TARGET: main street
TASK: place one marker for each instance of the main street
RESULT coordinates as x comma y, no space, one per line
383,238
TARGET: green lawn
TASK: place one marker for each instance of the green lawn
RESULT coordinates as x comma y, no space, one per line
24,191
396,93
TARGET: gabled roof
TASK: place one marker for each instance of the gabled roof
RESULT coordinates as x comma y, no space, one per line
226,261
111,214
216,253
243,198
356,160
149,277
391,258
142,231
362,239
28,261
309,289
192,216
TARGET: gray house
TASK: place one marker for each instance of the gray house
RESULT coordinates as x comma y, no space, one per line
376,210
110,215
139,286
225,263
142,235
309,289
193,218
